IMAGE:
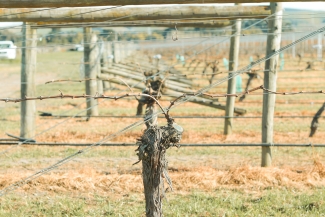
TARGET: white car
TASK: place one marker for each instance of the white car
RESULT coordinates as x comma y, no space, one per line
77,47
7,50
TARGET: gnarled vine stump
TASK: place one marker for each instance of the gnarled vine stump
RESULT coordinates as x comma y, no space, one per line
151,151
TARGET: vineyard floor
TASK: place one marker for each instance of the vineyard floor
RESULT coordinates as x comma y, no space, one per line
207,181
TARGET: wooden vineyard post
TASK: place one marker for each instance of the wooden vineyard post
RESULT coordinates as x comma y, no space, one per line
89,3
106,61
293,36
106,54
98,50
124,50
28,69
90,61
270,75
116,49
233,60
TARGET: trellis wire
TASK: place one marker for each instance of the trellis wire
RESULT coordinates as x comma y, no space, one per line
178,20
116,97
124,144
5,151
184,116
214,45
200,92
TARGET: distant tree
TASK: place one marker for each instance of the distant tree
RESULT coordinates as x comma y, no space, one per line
287,27
107,34
6,35
262,26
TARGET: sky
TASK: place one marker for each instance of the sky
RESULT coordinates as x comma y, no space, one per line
304,5
320,6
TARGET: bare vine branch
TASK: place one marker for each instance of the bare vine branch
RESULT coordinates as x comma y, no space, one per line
88,79
102,96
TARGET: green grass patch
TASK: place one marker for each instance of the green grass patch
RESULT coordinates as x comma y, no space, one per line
273,202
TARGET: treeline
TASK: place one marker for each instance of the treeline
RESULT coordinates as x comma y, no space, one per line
75,36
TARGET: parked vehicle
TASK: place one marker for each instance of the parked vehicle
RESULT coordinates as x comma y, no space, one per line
7,50
77,47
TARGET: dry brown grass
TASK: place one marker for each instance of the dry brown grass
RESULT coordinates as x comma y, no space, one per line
70,133
189,175
88,180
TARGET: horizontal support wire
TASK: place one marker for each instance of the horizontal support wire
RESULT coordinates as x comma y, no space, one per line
200,92
123,144
193,94
161,72
178,21
179,117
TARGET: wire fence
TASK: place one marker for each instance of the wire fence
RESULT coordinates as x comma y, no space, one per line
124,144
178,102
